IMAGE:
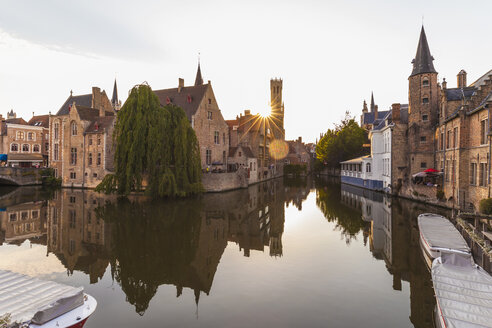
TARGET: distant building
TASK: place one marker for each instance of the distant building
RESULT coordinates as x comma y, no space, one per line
203,112
370,119
81,143
298,154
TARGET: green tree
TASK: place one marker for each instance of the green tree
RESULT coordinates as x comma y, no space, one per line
156,145
343,142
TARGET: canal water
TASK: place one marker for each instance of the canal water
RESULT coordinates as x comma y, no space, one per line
285,253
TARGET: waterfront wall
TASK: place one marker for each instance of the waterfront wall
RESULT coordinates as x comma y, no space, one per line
19,176
216,182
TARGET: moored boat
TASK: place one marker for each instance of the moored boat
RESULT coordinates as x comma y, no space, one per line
35,303
438,234
463,292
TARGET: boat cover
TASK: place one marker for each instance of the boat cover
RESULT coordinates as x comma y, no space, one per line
463,291
29,299
439,232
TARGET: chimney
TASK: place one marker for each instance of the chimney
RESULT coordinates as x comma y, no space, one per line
299,139
462,79
444,84
395,112
96,98
376,112
181,84
247,112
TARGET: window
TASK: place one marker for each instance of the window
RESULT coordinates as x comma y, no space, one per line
73,156
14,147
90,140
425,117
46,147
447,171
448,139
209,115
90,159
24,216
425,100
94,175
473,174
368,167
55,152
223,138
36,148
13,217
98,140
20,135
73,128
210,101
72,199
455,137
442,141
30,136
26,147
216,137
483,174
208,156
425,82
73,175
453,170
98,159
423,139
73,219
423,165
35,214
483,131
56,130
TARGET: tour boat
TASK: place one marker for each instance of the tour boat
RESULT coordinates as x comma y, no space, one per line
438,234
35,303
463,292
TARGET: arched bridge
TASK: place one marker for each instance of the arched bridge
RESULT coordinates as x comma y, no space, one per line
20,176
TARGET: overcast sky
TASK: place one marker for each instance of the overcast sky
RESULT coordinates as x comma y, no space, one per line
330,54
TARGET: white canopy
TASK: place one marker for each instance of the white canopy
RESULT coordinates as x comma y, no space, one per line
28,299
439,232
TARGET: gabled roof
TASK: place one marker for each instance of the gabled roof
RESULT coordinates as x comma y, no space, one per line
82,100
246,151
40,120
481,80
18,120
100,124
422,62
188,98
458,93
87,113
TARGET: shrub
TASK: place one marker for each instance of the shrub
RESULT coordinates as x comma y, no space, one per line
440,194
486,206
295,169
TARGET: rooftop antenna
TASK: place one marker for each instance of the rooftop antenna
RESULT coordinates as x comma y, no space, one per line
422,20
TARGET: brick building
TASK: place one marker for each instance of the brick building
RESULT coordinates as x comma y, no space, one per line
81,143
201,108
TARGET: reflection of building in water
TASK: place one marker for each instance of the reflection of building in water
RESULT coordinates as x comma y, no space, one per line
23,221
75,235
394,237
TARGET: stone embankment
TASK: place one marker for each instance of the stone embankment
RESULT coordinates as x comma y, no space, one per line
20,176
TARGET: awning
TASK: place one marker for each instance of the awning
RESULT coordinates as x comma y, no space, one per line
25,158
3,157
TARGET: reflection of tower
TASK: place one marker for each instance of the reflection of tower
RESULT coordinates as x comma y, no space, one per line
277,106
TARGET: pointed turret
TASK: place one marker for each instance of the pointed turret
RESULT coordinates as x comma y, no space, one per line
423,59
198,80
114,100
372,102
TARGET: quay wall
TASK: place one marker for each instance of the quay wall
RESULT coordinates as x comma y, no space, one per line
216,182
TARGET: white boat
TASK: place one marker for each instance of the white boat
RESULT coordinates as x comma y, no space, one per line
463,292
438,234
35,303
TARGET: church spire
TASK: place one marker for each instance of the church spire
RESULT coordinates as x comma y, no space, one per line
372,102
423,59
198,79
114,100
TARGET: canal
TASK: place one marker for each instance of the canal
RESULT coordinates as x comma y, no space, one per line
285,253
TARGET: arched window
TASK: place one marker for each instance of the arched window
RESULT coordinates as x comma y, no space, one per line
36,148
56,129
14,147
25,147
20,135
73,128
30,136
425,82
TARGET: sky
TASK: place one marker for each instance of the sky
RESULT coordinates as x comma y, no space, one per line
330,54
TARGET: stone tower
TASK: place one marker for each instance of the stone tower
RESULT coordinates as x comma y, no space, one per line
423,101
277,105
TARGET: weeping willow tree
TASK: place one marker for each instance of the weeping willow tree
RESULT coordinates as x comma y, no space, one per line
155,147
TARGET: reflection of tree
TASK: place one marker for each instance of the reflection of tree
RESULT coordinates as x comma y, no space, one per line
347,220
152,244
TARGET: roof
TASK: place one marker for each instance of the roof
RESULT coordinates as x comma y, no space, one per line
355,160
114,99
100,124
40,120
369,117
246,150
188,98
87,113
82,100
19,120
458,93
422,62
481,79
198,79
232,123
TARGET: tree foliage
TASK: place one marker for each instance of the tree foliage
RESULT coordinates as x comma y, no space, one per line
343,142
156,147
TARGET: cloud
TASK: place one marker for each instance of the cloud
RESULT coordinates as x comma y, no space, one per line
88,28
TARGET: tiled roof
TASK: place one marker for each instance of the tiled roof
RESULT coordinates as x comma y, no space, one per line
40,120
246,151
18,120
87,113
188,98
100,124
481,80
458,93
423,58
82,100
369,117
232,123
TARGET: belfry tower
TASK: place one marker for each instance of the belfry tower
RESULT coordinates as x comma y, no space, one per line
423,101
277,105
